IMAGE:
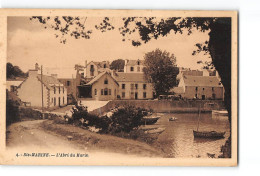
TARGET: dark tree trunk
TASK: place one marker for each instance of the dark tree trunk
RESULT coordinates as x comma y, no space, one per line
220,51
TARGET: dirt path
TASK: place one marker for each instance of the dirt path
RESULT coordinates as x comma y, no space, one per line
46,134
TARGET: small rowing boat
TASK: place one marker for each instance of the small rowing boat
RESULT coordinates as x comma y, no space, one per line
173,118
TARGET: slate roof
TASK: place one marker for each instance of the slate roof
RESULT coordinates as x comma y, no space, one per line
134,62
130,77
48,81
205,81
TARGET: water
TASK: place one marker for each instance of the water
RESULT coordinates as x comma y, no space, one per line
178,141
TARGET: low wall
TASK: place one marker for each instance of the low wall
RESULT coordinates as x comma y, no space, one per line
177,106
27,112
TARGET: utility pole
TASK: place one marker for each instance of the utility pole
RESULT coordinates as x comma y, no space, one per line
42,91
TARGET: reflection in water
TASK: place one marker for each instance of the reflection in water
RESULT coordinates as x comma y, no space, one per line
177,140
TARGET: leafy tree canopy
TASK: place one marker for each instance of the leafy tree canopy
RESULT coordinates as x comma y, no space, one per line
161,70
13,72
118,65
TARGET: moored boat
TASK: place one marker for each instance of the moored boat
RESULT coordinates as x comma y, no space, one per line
155,131
208,134
173,118
149,120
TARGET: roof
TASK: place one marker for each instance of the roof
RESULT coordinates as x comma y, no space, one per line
100,64
48,81
98,77
134,62
206,81
130,77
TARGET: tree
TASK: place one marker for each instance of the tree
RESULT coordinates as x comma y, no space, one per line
14,71
117,65
160,70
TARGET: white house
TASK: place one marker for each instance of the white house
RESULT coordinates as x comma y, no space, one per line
54,92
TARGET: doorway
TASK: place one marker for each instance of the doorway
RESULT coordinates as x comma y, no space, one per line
59,101
136,95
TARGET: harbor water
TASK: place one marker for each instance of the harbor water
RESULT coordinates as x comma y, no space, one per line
178,141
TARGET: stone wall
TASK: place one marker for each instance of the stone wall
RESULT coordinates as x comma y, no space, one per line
177,106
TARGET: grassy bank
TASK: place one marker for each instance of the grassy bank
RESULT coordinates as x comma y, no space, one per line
101,142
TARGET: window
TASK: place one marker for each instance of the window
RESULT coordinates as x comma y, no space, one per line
92,70
212,88
136,86
105,91
59,89
109,91
138,62
213,96
106,81
105,66
102,91
63,100
54,90
132,68
138,69
196,88
203,88
68,83
63,90
144,94
123,86
54,101
123,94
196,95
95,91
132,86
144,86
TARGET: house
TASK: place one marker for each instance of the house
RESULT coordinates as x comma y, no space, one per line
200,87
133,66
54,92
103,87
92,69
71,85
133,86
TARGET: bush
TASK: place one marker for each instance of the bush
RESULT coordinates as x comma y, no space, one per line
12,108
123,119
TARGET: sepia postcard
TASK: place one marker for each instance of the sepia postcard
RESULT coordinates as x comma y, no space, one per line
118,87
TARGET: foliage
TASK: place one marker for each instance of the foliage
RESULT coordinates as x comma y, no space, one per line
14,71
161,70
125,119
12,110
117,65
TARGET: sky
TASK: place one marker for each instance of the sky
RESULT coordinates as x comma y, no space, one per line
30,43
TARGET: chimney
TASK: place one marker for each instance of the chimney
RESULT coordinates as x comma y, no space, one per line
33,73
86,63
54,75
37,66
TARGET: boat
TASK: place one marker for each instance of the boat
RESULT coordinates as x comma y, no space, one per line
173,118
208,134
149,120
220,113
155,131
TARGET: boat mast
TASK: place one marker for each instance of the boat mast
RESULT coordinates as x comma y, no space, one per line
198,119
